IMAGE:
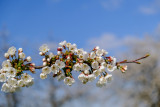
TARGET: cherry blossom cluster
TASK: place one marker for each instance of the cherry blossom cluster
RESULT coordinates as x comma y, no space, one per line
12,72
69,58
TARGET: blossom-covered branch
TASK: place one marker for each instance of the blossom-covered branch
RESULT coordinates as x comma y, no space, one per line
68,59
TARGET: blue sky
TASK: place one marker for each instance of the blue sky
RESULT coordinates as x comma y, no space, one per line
107,23
77,21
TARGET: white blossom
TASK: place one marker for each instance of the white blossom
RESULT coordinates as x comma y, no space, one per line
2,77
104,64
63,43
80,56
104,52
12,51
77,67
26,77
85,67
43,76
5,87
44,48
73,47
91,77
86,72
11,72
98,84
85,56
86,79
79,51
113,60
96,73
46,70
4,70
99,59
102,69
81,76
12,81
61,77
99,52
95,65
54,69
6,64
68,45
51,55
60,64
101,82
29,83
21,83
92,55
108,77
22,55
69,81
111,67
12,89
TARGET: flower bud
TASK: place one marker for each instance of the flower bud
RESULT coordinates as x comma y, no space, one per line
41,53
20,50
96,48
44,59
21,55
32,64
6,55
32,69
29,59
59,49
68,58
44,63
59,52
8,60
48,59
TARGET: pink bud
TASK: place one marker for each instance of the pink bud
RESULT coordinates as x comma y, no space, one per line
59,49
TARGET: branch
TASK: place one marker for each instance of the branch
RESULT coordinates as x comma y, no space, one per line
39,67
133,61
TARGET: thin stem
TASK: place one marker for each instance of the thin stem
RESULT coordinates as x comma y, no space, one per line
133,61
39,67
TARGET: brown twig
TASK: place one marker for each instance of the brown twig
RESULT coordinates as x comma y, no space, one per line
39,67
133,61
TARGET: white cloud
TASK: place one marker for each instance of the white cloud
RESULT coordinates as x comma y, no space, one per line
147,10
152,8
111,4
114,43
105,41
